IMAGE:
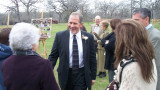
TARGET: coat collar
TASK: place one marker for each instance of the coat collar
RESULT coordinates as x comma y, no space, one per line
84,43
67,36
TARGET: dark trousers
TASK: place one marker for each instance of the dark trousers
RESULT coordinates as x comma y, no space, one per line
76,81
96,45
111,75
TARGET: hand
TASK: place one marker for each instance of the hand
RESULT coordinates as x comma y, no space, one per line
93,32
93,81
99,41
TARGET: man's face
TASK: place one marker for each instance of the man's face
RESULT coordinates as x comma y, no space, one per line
74,24
144,21
98,20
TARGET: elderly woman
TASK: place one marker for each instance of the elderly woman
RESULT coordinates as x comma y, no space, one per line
25,69
5,51
101,50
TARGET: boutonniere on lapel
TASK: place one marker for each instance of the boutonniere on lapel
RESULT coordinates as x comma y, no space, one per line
84,37
107,41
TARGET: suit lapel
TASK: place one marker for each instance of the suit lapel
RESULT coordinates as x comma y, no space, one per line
66,44
84,45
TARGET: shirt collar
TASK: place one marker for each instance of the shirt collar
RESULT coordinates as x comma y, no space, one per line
149,26
97,25
25,53
78,35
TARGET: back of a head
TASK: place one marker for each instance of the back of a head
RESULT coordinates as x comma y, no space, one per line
105,23
23,36
144,13
132,38
4,36
114,23
131,35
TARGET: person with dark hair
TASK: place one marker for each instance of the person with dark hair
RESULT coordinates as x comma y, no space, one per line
83,28
143,15
134,46
101,50
5,51
77,56
109,44
25,69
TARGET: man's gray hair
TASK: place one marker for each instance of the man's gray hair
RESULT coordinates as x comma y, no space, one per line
23,35
97,17
144,12
78,14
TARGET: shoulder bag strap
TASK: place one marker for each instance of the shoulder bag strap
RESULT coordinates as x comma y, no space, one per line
123,65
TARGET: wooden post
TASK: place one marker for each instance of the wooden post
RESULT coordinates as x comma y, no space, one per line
42,15
42,39
41,23
8,20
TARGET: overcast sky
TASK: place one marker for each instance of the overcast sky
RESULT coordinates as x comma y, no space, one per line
7,3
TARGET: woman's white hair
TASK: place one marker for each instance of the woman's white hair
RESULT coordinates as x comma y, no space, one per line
23,36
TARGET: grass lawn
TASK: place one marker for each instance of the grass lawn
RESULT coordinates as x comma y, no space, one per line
101,83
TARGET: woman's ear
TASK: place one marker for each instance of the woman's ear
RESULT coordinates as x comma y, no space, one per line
147,20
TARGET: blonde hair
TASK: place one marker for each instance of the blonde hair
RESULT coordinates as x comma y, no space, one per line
105,23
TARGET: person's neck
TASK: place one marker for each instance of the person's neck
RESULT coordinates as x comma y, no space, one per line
146,24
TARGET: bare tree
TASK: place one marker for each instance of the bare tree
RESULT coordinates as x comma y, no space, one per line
30,6
66,6
113,9
15,8
104,7
58,6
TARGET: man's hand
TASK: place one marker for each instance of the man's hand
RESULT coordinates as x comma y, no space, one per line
93,81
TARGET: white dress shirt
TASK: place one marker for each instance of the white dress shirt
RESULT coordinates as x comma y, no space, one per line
147,27
80,49
97,30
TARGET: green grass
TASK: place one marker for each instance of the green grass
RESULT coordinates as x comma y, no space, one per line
157,25
101,83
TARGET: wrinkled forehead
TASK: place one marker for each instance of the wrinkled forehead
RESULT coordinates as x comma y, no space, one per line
74,17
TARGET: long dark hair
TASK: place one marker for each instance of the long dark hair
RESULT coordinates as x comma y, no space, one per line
132,38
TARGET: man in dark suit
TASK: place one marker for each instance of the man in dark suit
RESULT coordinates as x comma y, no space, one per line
76,52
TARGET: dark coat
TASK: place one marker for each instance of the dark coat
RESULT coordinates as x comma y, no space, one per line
110,48
5,52
61,49
28,73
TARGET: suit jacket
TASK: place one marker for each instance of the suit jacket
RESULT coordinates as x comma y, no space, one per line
110,47
92,30
61,49
28,73
154,36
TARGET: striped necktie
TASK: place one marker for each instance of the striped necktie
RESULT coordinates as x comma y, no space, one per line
75,55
